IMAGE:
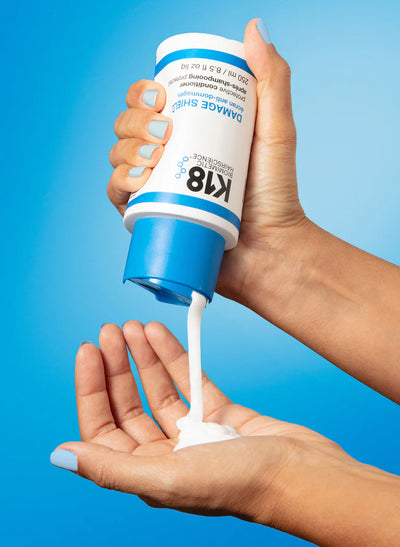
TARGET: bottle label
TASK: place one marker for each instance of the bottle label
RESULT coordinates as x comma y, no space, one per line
211,98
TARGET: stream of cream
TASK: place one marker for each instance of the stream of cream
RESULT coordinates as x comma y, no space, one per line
193,430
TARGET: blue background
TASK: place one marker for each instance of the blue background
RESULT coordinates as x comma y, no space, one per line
65,73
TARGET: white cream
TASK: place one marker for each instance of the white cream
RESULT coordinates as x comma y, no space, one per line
192,428
193,432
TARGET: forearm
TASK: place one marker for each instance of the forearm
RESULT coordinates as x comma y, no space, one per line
338,505
340,301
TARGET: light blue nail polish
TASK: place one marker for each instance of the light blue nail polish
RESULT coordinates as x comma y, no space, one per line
262,29
157,128
64,459
85,342
137,171
149,97
146,150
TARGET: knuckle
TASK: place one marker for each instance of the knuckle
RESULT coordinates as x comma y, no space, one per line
113,184
335,446
289,138
130,152
125,123
105,475
287,143
110,190
117,123
166,401
112,155
122,152
284,68
130,93
118,173
131,119
283,135
112,194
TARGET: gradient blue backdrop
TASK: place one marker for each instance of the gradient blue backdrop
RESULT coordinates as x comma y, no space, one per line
66,68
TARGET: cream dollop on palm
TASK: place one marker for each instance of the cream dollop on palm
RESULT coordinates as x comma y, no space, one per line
192,428
124,448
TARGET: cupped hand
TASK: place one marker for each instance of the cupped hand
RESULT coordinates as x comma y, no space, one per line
125,449
272,210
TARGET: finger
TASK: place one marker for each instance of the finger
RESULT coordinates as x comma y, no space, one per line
274,113
135,152
122,390
146,94
96,421
217,406
153,477
143,124
165,403
174,358
125,180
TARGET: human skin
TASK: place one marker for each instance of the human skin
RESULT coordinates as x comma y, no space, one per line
337,299
296,275
277,474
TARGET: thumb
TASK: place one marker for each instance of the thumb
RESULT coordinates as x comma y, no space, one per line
141,475
274,114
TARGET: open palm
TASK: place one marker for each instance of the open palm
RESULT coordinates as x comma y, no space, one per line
126,449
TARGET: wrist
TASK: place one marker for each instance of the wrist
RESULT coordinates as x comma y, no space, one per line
304,495
266,274
335,501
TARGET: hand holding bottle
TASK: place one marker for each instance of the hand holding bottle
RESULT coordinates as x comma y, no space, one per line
340,301
271,205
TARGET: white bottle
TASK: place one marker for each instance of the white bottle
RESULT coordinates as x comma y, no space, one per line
188,212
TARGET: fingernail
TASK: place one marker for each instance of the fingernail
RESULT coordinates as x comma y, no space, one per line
85,342
262,29
104,324
149,97
137,171
157,128
147,150
64,459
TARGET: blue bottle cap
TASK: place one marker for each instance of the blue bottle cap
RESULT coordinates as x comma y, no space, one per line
173,257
